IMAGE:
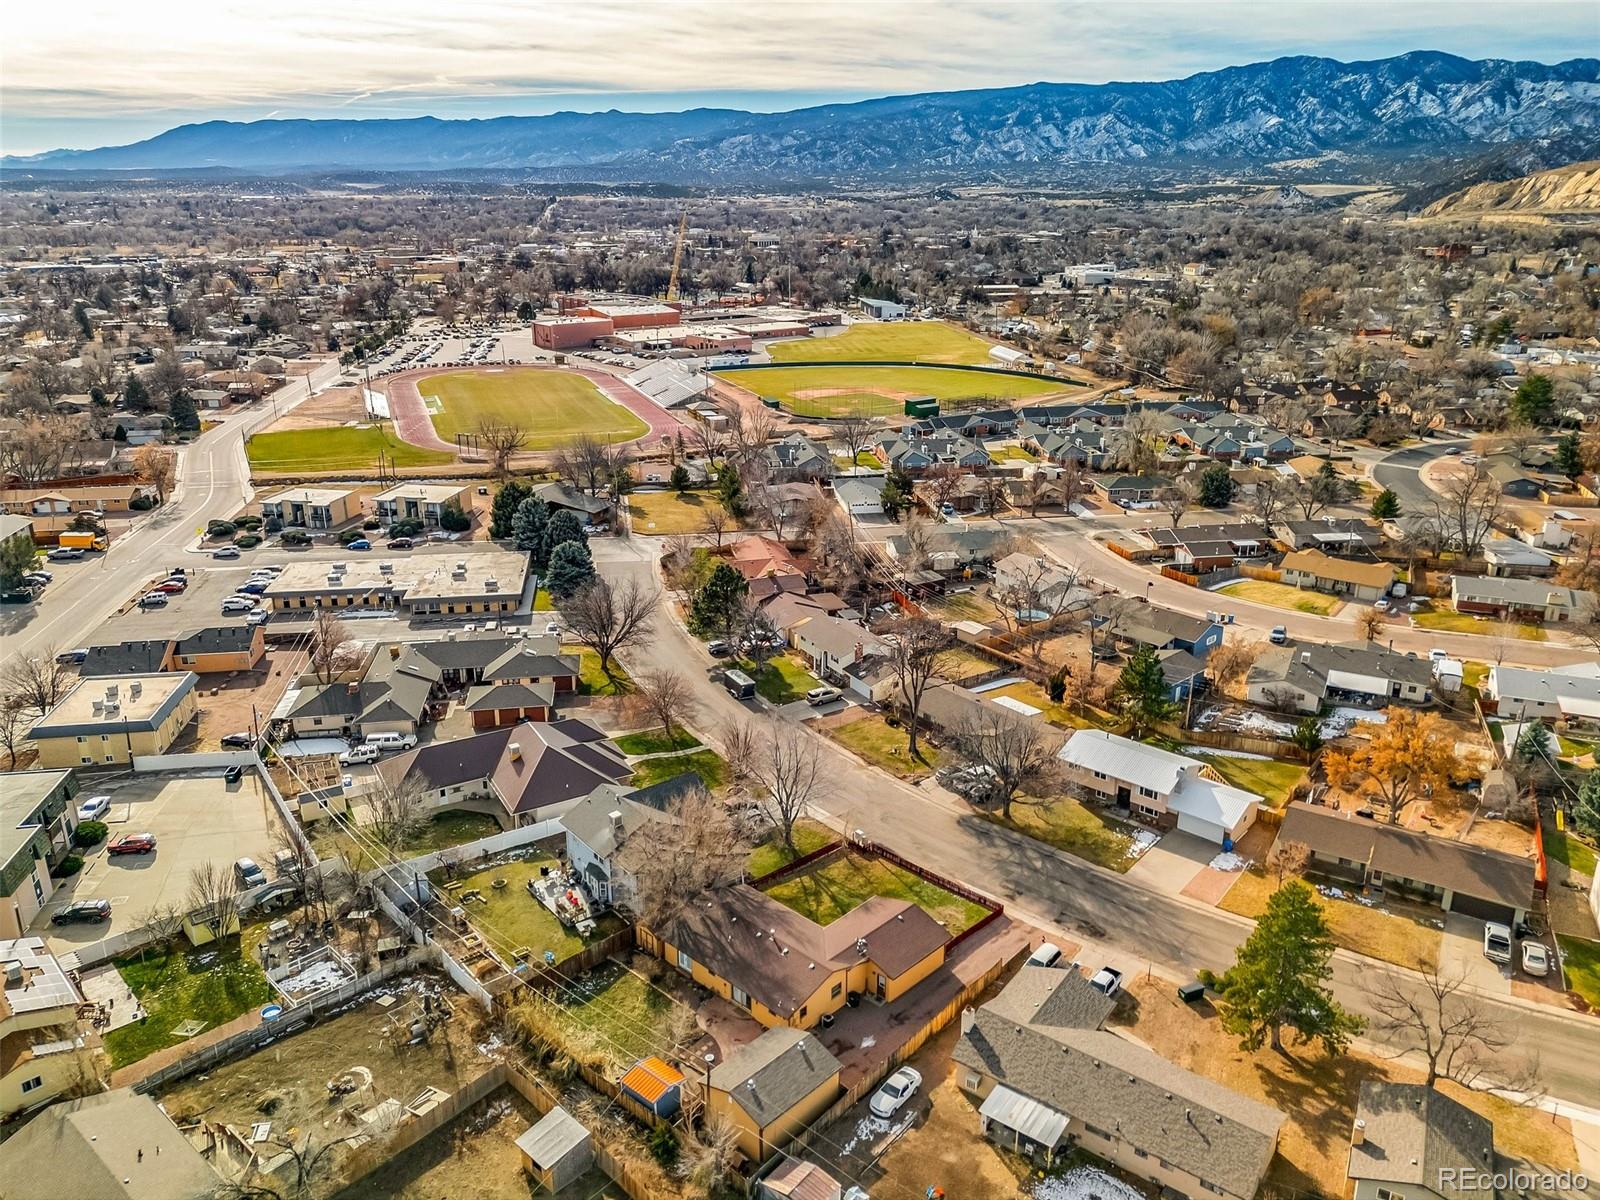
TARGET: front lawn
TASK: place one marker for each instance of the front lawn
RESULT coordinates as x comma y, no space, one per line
1281,595
1271,779
1580,959
542,601
663,513
1069,825
707,764
782,681
655,741
826,892
1386,935
887,747
509,918
212,984
592,680
809,835
1565,848
440,832
1454,622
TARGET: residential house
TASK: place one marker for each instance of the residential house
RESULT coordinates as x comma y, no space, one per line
797,457
522,775
837,648
1303,678
1362,581
1510,559
1332,535
1454,875
1513,478
859,495
1185,674
1415,1142
768,1089
762,557
390,692
1209,547
1130,490
1050,1080
67,500
1519,599
598,828
1032,583
563,497
917,454
109,721
1161,628
112,1146
949,549
37,817
313,508
786,970
1570,693
42,1052
468,657
1159,787
423,502
1082,442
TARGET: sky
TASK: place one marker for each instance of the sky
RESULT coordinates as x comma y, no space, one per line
108,73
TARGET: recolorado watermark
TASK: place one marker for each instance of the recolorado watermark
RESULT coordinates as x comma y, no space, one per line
1471,1179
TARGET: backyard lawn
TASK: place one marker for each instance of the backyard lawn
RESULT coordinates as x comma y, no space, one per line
1066,824
671,512
826,892
342,448
509,918
211,985
1271,779
898,341
1281,595
886,746
1005,454
1581,960
782,681
1386,935
441,831
616,1015
655,741
1058,714
809,835
707,764
1576,855
1454,622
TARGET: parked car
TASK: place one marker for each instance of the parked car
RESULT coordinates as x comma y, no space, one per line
242,740
82,910
718,649
64,554
133,843
248,873
1438,655
818,696
94,808
1381,604
1107,980
255,587
72,658
1535,958
358,544
896,1090
238,604
1496,942
1047,955
172,587
153,600
391,741
552,628
258,616
363,753
37,577
399,543
1279,635
225,552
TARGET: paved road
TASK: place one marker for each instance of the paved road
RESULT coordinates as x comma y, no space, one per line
1399,473
213,481
1132,926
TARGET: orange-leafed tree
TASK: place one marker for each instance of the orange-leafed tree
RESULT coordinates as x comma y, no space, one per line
1393,762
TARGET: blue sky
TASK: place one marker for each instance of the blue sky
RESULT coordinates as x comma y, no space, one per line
118,72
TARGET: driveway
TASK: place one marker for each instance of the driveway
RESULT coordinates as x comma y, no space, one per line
1172,863
1461,949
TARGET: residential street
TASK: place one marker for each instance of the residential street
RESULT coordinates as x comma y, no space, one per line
1135,927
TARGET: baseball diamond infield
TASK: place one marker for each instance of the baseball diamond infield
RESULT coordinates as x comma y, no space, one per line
552,405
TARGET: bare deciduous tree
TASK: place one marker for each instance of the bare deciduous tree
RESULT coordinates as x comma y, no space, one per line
397,809
667,696
916,646
715,521
334,649
36,680
1015,753
1430,1013
158,467
1267,500
1231,661
500,441
13,723
856,432
608,617
697,845
1466,504
1288,860
213,898
782,765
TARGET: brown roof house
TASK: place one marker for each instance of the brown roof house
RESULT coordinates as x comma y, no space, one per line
1050,1079
1338,576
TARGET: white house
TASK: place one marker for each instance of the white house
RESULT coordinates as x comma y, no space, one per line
596,829
830,644
1156,786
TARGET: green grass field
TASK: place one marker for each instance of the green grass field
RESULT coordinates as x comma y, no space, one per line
212,985
831,391
552,407
825,893
346,448
900,341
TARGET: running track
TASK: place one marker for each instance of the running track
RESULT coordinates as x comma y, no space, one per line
412,423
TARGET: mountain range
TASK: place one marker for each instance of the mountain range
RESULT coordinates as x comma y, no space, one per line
1412,106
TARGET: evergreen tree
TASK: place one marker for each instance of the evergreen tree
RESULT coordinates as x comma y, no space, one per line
1534,401
17,556
1586,809
503,514
120,434
717,601
1386,505
571,566
562,526
1533,743
1569,457
454,519
183,412
136,395
525,311
1279,978
730,490
1216,486
527,527
1144,691
680,478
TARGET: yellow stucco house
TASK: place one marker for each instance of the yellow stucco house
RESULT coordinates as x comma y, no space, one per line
43,1054
785,969
108,721
770,1088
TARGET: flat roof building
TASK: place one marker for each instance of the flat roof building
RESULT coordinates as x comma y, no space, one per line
108,721
460,582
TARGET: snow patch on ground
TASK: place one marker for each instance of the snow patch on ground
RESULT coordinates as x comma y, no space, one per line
996,684
1229,861
1243,720
1143,839
1213,752
1084,1183
869,1129
1341,720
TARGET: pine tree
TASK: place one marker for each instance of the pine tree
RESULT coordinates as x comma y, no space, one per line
1386,505
1533,743
730,490
1216,486
1569,457
680,478
533,514
1586,809
1534,401
717,601
503,515
1144,691
183,412
563,526
136,395
571,566
1279,978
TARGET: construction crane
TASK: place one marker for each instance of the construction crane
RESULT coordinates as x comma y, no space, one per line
677,257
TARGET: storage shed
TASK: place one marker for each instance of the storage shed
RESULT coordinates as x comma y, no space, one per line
655,1084
558,1150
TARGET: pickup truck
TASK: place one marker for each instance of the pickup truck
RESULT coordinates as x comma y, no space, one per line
1107,980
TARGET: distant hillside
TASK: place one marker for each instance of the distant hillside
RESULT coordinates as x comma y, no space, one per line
1571,190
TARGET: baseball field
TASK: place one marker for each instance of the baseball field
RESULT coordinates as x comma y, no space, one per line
891,341
552,407
831,390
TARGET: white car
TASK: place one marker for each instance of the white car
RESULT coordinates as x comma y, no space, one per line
896,1090
1496,942
819,696
94,808
552,629
1535,958
257,616
356,755
238,604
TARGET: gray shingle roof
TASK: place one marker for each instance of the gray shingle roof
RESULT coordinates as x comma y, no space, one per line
772,1074
1413,1132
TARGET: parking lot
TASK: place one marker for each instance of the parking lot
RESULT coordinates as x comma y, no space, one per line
198,607
196,818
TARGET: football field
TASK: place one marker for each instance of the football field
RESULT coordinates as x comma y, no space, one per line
834,390
552,407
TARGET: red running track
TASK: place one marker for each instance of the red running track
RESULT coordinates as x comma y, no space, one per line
412,423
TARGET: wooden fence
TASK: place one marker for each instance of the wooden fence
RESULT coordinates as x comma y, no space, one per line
798,865
1222,740
933,877
1265,574
1182,577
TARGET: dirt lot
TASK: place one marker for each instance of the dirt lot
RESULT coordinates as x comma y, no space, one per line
230,703
287,1081
333,407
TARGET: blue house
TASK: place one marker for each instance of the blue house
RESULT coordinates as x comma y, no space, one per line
1184,673
1162,629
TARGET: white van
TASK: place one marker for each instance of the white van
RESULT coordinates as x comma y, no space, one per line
391,741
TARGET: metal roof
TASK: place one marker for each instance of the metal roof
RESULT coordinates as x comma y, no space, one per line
557,1135
1034,1121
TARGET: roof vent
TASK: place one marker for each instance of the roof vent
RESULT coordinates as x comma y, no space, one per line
134,689
516,751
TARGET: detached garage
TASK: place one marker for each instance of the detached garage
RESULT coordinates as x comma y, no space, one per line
1214,811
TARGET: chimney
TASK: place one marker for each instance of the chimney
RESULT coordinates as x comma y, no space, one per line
516,751
1358,1135
968,1020
859,652
394,652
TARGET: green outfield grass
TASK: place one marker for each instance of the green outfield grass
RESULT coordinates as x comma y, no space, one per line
831,391
345,448
551,406
899,341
